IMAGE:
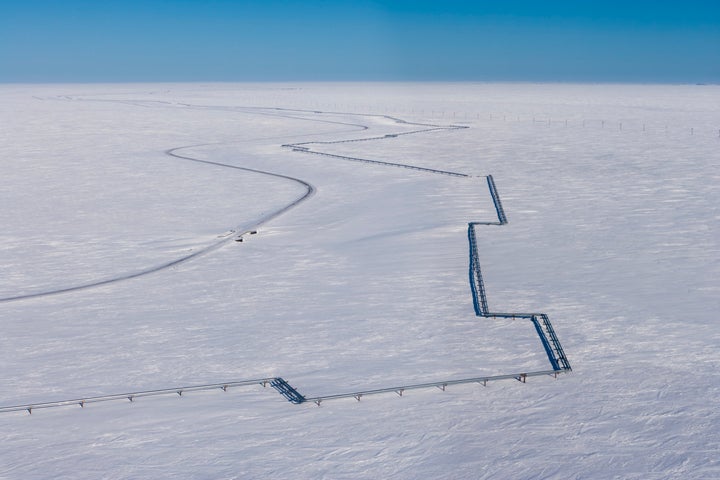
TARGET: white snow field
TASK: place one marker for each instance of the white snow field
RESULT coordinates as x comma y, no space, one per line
611,193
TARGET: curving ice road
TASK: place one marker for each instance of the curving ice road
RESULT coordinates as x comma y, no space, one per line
237,232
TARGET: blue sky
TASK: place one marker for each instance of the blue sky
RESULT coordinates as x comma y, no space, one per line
224,40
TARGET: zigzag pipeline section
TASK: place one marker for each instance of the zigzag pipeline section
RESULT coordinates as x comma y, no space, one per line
544,328
551,344
548,338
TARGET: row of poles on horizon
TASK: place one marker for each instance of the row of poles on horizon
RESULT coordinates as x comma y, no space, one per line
465,116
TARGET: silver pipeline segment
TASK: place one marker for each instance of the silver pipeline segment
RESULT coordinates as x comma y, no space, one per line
131,396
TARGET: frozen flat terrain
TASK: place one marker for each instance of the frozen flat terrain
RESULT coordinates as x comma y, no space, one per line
611,193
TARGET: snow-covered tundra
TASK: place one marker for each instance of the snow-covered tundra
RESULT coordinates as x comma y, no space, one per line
122,204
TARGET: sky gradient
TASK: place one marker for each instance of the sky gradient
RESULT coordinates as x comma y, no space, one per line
224,40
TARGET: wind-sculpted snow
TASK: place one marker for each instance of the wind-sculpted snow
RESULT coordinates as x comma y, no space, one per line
548,339
612,232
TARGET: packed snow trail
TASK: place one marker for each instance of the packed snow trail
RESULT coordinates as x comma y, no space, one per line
236,233
541,322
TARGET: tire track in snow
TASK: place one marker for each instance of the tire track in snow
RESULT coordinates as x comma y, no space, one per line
236,232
